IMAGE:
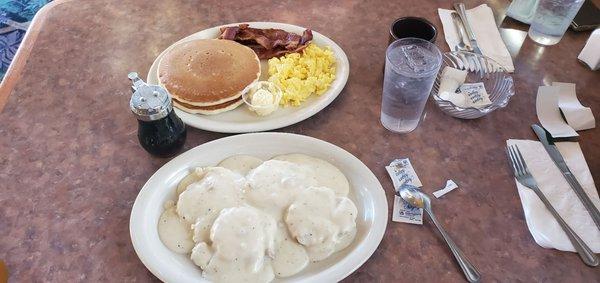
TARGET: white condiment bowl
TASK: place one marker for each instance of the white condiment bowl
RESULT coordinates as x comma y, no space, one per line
263,110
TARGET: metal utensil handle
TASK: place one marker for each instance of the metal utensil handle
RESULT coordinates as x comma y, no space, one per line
467,267
584,198
462,12
560,162
582,249
460,29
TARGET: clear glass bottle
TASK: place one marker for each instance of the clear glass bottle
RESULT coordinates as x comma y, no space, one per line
160,131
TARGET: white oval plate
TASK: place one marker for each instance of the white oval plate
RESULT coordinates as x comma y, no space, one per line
366,192
242,120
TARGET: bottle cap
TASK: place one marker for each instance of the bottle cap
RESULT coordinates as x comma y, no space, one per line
148,102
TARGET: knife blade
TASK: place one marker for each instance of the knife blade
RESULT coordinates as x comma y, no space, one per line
548,143
462,13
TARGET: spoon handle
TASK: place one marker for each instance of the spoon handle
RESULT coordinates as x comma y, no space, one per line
467,267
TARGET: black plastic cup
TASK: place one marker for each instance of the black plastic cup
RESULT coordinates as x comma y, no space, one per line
412,27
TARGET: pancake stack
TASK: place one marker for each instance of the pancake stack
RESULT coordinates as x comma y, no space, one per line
208,76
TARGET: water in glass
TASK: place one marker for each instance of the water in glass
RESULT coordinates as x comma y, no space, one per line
410,70
551,20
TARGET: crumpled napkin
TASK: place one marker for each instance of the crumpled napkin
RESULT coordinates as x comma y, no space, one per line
486,33
543,227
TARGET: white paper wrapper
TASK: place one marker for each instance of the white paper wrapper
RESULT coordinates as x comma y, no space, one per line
578,116
590,54
450,186
546,105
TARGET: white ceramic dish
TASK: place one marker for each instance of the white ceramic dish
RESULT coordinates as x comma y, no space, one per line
366,192
242,120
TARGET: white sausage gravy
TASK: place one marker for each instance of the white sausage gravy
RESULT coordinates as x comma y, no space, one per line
249,220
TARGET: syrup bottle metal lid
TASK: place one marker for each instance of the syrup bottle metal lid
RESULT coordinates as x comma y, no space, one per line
148,102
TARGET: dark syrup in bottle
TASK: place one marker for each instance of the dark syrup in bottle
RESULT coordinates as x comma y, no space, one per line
160,131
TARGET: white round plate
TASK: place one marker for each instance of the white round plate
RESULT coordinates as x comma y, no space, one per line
366,192
242,120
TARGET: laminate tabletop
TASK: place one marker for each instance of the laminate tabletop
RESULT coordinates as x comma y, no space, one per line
71,165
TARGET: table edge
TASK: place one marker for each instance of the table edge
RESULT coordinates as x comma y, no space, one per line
13,74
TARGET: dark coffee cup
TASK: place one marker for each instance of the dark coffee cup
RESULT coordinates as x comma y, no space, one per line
412,27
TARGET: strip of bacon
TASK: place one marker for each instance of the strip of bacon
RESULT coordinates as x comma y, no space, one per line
267,43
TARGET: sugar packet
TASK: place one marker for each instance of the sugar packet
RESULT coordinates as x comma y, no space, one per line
476,95
402,172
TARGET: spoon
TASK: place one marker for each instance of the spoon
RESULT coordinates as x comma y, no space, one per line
413,196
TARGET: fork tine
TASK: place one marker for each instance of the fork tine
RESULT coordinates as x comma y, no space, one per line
512,161
522,160
516,160
512,157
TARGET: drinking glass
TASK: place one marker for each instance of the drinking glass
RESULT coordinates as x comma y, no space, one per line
551,20
411,67
412,27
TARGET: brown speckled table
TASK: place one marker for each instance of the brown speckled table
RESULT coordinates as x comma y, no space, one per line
71,166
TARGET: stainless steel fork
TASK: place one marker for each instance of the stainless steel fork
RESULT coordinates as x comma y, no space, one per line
526,179
460,30
471,63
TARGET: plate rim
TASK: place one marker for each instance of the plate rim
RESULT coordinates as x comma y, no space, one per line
264,125
372,239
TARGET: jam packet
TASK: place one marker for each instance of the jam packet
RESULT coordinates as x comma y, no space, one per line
402,172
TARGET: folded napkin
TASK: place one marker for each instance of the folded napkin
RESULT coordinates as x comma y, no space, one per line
486,33
590,54
543,227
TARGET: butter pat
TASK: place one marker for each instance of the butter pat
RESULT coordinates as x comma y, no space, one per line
590,54
263,98
263,102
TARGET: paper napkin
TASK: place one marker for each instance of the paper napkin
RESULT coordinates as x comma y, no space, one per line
543,227
546,106
486,33
578,116
590,54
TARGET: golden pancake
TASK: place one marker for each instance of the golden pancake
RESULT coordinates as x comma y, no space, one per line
208,72
209,110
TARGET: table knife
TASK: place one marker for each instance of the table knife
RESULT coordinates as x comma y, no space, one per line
558,159
462,12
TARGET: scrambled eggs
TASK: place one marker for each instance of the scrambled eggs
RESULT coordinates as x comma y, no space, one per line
301,74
